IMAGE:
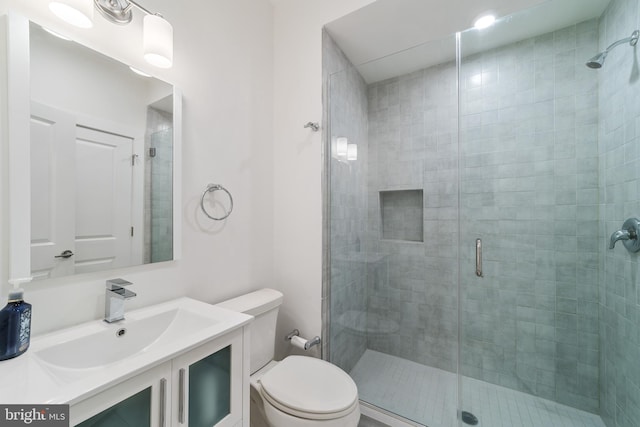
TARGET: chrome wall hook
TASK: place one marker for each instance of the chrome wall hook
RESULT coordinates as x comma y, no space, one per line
313,125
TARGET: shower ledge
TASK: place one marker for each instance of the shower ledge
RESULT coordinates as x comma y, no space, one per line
362,323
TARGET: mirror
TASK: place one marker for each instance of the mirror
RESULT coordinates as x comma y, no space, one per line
101,161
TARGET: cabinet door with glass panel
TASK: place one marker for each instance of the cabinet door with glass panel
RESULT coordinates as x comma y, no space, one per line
141,401
207,384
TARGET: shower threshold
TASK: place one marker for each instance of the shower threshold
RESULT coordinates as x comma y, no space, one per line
428,396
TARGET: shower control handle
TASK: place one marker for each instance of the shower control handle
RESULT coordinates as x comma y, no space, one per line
628,234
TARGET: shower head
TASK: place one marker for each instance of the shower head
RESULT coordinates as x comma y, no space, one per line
598,60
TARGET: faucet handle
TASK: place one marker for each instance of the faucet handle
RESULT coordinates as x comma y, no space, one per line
628,234
117,284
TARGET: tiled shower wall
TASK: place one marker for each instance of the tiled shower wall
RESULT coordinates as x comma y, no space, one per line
534,132
529,183
349,264
529,190
158,221
413,146
619,131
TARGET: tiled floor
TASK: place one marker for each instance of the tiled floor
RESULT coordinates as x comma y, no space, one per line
428,396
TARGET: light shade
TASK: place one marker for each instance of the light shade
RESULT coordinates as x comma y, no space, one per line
342,146
157,41
484,21
352,152
76,12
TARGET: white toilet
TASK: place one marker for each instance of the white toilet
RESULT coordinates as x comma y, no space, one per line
299,391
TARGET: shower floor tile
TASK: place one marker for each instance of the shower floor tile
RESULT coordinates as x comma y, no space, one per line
428,396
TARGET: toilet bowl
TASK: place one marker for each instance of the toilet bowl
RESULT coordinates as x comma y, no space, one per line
298,391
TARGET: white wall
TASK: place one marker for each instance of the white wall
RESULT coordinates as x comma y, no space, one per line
223,65
297,160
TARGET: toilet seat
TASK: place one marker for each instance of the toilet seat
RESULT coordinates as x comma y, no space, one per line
309,388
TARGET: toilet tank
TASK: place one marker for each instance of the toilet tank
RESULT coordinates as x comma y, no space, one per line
263,305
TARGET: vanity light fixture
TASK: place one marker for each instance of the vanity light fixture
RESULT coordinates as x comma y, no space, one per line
75,12
352,152
158,41
342,147
157,32
484,21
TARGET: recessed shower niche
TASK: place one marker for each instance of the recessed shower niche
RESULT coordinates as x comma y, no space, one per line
402,215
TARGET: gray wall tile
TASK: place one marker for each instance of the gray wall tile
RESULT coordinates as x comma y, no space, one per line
618,184
558,176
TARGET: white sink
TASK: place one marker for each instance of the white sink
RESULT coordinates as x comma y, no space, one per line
94,354
120,340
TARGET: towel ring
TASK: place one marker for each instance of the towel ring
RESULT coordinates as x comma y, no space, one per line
210,189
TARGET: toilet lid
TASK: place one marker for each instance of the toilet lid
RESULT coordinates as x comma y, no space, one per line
309,388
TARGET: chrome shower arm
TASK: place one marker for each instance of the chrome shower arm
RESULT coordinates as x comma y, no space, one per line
633,40
598,60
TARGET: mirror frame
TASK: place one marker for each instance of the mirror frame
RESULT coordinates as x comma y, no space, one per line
19,168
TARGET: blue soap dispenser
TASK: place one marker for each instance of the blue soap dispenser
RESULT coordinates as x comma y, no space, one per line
15,326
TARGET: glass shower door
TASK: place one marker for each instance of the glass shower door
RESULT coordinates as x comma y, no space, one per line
529,194
393,212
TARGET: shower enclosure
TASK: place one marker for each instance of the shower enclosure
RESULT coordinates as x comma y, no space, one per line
158,221
472,186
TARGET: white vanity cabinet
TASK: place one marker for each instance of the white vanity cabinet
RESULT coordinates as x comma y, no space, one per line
204,387
140,401
181,363
208,385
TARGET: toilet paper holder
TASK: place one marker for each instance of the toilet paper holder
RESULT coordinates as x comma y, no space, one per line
301,342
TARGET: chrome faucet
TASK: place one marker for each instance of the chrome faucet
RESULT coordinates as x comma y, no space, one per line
619,235
628,234
115,296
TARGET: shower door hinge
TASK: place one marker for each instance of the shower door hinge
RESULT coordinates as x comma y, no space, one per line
152,152
131,231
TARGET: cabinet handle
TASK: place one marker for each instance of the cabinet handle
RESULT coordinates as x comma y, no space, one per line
181,396
163,398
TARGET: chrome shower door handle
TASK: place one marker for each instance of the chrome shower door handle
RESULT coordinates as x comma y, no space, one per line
479,257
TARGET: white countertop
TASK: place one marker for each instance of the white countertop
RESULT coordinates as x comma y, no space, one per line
27,379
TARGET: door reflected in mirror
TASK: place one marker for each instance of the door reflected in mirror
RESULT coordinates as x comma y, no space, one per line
101,161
